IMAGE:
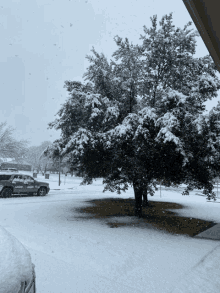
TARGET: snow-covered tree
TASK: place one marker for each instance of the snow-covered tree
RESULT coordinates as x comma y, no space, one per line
9,146
53,154
162,134
168,62
117,80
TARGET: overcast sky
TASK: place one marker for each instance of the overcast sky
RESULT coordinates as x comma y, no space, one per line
44,43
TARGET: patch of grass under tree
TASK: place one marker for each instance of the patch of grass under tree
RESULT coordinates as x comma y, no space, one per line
158,215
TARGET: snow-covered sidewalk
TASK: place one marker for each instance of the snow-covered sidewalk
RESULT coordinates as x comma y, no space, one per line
203,277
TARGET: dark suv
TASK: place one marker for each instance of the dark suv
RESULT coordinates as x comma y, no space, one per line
16,183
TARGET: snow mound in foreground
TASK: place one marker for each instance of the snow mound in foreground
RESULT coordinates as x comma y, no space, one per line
15,263
204,277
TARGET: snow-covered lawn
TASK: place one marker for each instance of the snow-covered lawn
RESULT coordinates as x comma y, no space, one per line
76,254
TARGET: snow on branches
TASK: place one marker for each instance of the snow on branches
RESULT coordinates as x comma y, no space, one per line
92,100
208,83
173,95
147,113
167,123
53,150
201,122
78,141
112,112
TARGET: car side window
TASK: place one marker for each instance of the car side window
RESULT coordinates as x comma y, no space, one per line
28,179
18,178
15,179
31,179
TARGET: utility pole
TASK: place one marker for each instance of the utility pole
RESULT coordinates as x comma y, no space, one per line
59,170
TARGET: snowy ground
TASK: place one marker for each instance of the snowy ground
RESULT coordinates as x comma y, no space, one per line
85,255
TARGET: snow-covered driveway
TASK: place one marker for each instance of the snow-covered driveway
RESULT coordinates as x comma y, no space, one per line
85,255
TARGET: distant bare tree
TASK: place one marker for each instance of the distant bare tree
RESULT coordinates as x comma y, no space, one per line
33,156
9,146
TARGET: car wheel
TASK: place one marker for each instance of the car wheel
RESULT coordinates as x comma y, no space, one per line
7,192
42,191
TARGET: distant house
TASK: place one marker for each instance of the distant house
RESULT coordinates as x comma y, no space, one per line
21,166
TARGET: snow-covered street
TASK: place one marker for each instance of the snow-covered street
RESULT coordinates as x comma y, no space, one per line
73,254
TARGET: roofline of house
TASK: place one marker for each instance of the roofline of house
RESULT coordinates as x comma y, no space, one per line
205,15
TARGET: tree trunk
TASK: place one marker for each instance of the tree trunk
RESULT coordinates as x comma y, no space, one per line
145,199
138,192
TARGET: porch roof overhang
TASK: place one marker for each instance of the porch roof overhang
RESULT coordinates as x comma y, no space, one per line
206,17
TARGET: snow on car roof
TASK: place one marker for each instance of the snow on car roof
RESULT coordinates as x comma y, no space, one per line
15,260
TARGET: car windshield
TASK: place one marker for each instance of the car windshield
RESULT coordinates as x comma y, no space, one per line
5,177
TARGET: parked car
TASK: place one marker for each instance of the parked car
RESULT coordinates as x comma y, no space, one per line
16,268
16,183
